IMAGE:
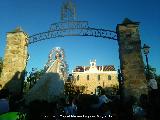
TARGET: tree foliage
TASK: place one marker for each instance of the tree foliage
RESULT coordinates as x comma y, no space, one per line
32,78
158,80
152,72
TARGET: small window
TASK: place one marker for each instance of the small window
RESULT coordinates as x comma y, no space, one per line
77,77
87,77
99,77
109,77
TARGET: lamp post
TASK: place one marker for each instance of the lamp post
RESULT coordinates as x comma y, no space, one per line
146,51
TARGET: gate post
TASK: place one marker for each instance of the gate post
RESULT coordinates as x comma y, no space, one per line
131,61
15,59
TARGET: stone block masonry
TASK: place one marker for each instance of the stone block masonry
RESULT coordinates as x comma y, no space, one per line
131,61
15,58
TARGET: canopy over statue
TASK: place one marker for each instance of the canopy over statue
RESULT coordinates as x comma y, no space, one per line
56,63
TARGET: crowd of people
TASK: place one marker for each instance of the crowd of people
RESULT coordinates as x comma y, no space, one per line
102,105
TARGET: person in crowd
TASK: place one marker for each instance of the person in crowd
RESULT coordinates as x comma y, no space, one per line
153,87
70,108
153,98
138,111
103,99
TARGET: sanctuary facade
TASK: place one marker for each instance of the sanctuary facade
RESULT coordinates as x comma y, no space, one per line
92,77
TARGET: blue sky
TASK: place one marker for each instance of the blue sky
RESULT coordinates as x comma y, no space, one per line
36,16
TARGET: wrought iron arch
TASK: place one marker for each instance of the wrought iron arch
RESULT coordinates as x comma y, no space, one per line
72,28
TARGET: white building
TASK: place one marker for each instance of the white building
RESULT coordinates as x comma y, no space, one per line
90,77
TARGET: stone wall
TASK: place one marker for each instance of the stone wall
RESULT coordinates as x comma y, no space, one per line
131,61
14,60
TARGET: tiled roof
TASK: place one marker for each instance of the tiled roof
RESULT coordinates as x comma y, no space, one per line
79,69
105,68
109,68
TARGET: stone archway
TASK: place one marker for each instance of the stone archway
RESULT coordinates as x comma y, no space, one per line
127,35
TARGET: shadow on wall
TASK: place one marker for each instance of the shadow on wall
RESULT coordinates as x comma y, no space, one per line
15,85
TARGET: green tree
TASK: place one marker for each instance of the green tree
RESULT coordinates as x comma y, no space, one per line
158,80
34,75
152,71
69,88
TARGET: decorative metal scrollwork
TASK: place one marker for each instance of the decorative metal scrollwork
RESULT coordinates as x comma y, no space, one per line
72,28
69,25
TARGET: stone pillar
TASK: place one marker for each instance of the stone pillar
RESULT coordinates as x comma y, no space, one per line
14,61
131,60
